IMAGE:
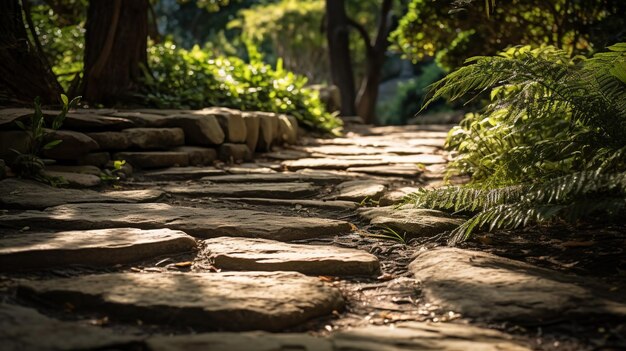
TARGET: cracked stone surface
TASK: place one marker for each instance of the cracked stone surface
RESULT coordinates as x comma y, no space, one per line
487,287
269,301
199,222
268,190
89,247
24,194
414,222
270,255
24,328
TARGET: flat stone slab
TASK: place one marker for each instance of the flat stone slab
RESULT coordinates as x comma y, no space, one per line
407,170
338,150
154,159
24,328
414,222
427,337
76,180
183,173
328,204
487,287
359,190
398,337
262,341
425,159
397,195
268,255
25,194
89,247
320,177
155,138
199,222
235,301
266,190
331,163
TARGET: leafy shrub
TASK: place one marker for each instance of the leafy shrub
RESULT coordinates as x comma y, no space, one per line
29,164
550,145
195,79
432,27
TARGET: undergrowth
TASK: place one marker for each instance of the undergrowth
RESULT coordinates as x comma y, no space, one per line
197,78
551,145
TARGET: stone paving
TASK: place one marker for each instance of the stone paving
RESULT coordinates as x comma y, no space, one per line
180,258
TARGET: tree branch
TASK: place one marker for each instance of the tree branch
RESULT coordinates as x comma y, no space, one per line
363,32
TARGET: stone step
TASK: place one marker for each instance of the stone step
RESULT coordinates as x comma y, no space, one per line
183,173
104,247
358,190
397,195
330,163
154,159
319,177
411,222
242,254
397,337
290,190
326,204
25,194
154,138
24,328
409,171
483,286
199,222
75,180
235,301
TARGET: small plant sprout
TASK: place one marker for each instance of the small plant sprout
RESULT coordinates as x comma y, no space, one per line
29,164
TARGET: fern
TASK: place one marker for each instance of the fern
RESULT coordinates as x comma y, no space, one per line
550,145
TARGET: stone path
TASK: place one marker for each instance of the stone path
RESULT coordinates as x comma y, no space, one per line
211,256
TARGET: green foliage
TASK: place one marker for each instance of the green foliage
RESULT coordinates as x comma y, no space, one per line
61,32
196,78
289,29
29,164
410,97
550,146
438,27
293,31
388,234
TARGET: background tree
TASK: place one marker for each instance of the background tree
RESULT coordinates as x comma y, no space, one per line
337,24
115,49
24,72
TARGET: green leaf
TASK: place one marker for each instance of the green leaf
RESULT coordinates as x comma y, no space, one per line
64,99
52,144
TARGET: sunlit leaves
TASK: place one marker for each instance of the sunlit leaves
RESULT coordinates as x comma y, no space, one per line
197,78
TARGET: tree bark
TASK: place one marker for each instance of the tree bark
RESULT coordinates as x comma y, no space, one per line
115,49
24,74
341,72
368,92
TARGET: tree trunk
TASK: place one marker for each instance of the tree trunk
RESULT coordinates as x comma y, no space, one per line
24,75
368,93
115,48
339,54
